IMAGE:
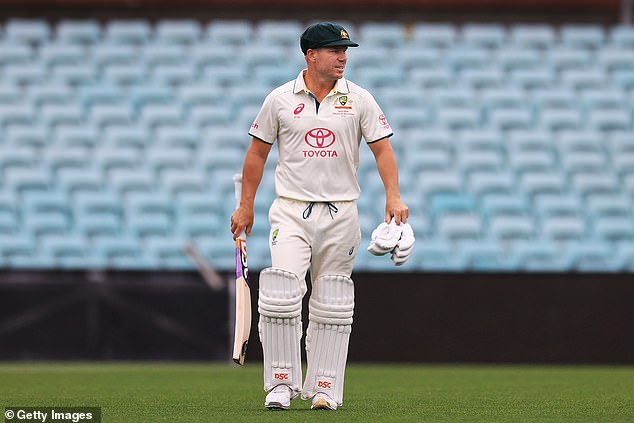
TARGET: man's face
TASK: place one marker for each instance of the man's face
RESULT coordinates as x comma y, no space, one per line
330,62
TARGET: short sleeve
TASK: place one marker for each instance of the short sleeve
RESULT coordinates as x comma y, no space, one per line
374,124
265,125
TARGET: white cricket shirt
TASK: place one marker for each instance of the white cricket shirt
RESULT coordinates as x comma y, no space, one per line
318,146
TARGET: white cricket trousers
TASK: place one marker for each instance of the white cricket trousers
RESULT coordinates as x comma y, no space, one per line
322,237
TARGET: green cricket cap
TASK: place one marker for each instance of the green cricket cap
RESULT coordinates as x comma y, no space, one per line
325,34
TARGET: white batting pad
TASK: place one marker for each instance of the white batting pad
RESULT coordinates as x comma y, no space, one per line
280,327
331,308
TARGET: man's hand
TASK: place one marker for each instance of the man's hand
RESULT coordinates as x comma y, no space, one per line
397,209
242,220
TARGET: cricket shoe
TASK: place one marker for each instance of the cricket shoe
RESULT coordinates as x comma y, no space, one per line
279,398
322,401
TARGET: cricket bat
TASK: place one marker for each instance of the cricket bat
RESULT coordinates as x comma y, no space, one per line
243,290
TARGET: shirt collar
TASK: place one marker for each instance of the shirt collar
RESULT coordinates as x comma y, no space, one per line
341,86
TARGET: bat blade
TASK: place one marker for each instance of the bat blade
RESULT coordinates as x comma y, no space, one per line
243,303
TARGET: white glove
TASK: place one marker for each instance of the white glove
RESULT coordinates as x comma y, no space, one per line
384,238
405,245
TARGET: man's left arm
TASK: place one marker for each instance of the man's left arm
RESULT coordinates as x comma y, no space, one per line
388,170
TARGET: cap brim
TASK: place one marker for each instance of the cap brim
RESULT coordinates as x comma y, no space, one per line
342,42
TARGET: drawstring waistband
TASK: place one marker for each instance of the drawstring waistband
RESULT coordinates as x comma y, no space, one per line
309,209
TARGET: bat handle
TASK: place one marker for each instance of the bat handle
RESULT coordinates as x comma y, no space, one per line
237,185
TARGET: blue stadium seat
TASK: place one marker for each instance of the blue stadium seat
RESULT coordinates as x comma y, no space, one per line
412,56
523,161
27,179
543,182
149,202
183,31
59,53
510,57
53,115
15,53
532,79
12,246
511,119
432,182
610,120
576,161
590,183
174,73
82,74
169,252
74,181
539,256
85,31
435,34
128,31
561,119
278,32
566,58
436,254
622,36
611,59
452,96
593,256
432,77
584,36
584,79
24,137
482,78
230,32
17,113
105,202
94,225
427,159
102,93
103,115
114,53
487,255
465,57
475,161
125,74
128,180
511,227
481,183
204,116
51,93
156,115
126,136
550,204
625,256
160,159
533,35
504,204
484,35
43,224
54,201
459,225
563,227
177,182
31,31
458,118
144,225
200,225
108,158
480,140
611,228
381,34
161,53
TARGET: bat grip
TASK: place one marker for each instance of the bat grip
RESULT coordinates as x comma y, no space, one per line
237,185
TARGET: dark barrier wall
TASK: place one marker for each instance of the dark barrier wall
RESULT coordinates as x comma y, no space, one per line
445,4
471,318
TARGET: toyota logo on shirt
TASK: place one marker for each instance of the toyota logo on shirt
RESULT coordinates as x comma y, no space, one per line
320,138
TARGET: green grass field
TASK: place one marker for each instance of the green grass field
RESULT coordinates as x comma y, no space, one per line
160,392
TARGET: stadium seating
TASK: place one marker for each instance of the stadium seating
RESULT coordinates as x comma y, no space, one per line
118,140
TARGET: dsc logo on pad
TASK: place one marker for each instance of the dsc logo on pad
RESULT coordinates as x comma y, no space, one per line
280,376
324,384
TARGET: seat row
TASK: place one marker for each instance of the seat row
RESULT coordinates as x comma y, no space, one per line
286,32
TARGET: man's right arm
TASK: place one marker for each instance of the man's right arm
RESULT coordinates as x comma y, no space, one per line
242,218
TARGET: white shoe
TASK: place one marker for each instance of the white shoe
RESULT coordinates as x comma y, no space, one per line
322,401
279,398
